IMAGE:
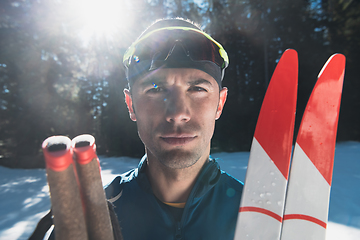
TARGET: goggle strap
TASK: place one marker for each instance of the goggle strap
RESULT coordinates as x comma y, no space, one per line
128,54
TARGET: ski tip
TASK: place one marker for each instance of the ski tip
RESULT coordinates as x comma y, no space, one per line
336,61
337,55
291,51
275,125
290,54
287,67
318,129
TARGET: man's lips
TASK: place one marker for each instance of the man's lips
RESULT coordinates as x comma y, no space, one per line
178,140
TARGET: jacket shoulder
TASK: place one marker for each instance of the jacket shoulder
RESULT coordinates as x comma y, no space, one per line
114,190
231,181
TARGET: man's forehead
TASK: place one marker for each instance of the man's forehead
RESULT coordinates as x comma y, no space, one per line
184,75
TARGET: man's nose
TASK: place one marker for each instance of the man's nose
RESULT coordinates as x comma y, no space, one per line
177,107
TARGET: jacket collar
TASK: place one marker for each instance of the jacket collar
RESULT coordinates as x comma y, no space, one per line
207,179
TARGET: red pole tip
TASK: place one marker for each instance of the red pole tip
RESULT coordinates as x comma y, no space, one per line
84,148
57,152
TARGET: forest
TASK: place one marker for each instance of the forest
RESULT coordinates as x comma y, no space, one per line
61,67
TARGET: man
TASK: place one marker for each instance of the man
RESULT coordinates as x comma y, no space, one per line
175,95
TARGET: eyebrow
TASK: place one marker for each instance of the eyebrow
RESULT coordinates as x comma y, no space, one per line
199,81
150,81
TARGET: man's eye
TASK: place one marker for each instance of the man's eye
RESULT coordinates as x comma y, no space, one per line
154,89
198,89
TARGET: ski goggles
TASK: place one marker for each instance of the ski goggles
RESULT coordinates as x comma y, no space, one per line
176,47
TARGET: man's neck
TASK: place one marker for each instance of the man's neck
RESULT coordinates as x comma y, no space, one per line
173,185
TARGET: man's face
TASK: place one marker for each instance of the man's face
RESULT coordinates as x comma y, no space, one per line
175,110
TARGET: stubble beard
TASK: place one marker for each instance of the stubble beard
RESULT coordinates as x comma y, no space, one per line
178,158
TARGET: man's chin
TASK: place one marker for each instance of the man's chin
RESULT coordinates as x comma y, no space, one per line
179,159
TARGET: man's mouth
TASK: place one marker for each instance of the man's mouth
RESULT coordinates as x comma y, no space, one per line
178,140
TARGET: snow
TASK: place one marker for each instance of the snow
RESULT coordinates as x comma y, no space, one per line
24,194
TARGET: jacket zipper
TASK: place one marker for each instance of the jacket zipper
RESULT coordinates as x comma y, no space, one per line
190,199
178,231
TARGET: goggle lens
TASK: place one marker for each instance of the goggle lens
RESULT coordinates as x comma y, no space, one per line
157,45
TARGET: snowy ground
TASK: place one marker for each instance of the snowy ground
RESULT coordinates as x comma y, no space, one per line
24,195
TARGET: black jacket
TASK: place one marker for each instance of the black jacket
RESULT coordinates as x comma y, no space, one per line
210,211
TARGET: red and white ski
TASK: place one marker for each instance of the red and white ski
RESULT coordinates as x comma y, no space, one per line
262,204
307,200
262,201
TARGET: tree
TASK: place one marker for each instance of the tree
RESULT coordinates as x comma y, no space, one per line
343,35
55,82
40,69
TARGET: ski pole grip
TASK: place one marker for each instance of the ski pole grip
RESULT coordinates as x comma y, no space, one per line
65,197
88,169
84,148
57,152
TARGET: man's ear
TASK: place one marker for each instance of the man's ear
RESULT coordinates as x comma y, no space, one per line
222,100
129,103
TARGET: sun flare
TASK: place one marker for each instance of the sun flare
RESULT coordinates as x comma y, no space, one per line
99,18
